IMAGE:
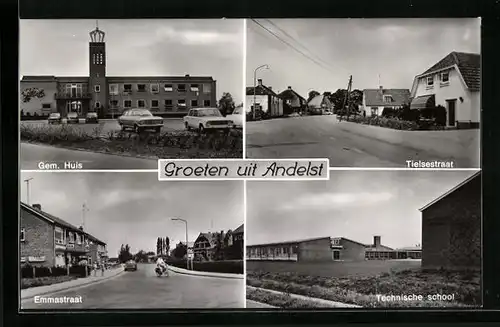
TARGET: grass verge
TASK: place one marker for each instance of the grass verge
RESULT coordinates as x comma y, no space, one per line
363,290
181,144
44,281
277,300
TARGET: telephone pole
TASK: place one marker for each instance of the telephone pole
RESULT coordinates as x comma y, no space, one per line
347,99
27,181
84,210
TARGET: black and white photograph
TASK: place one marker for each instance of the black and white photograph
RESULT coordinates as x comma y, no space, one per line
364,92
127,241
121,94
366,239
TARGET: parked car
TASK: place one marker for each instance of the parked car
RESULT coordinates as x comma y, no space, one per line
54,118
91,118
203,119
140,120
72,117
130,265
236,117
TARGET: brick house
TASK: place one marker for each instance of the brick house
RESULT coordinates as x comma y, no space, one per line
375,101
292,101
451,228
262,97
111,95
233,244
48,241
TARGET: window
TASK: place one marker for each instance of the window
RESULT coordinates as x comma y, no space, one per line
141,103
336,255
113,103
374,111
22,235
155,88
206,103
445,77
430,81
181,103
154,103
71,237
195,88
97,88
168,87
141,87
168,104
207,88
97,104
127,88
181,87
127,103
194,103
113,89
100,59
46,106
59,235
93,58
388,98
78,239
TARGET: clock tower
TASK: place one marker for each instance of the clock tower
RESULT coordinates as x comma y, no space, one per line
97,71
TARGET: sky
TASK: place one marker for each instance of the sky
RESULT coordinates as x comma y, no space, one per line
135,208
385,203
138,48
395,49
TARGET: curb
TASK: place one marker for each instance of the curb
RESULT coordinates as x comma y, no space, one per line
326,303
26,297
261,305
205,273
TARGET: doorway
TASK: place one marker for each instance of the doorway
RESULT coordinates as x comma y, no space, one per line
336,255
452,104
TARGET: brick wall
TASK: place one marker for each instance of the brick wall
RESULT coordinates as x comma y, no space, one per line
352,251
451,229
317,250
39,238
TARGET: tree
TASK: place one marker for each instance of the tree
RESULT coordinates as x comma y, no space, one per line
180,251
32,92
158,246
124,255
218,251
141,256
167,246
226,104
312,94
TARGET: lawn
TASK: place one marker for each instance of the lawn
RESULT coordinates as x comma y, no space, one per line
44,281
333,282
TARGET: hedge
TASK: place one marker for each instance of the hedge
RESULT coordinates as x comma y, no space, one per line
78,271
227,266
393,123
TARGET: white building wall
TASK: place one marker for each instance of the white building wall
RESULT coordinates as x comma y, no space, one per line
35,104
456,88
259,99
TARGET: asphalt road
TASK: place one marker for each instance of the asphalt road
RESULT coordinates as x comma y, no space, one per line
141,289
33,154
108,125
321,137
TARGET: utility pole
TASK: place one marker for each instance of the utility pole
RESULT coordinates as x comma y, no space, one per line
84,209
348,98
27,181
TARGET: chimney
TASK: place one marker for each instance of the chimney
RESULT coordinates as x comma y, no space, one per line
270,87
187,75
259,81
289,87
381,89
376,241
80,228
38,206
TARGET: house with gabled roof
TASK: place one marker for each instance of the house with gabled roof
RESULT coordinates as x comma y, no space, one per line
375,101
49,241
454,83
292,101
262,97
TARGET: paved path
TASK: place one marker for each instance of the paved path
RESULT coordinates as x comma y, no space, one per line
354,145
141,289
33,154
254,304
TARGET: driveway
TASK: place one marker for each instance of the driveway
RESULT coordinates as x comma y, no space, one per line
141,289
353,145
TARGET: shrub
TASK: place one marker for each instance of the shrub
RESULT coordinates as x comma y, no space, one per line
227,267
42,281
79,271
393,123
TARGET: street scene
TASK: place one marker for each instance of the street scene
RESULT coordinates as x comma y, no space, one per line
82,245
377,93
399,239
172,105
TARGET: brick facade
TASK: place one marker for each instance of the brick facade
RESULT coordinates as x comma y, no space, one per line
39,239
451,229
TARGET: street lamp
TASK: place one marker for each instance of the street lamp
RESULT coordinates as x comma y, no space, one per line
27,181
187,245
255,84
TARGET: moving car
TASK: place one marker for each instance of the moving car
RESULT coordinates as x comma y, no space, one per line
54,118
72,117
140,120
130,265
237,117
203,119
91,118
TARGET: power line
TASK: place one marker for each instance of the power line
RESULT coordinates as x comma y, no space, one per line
294,48
297,42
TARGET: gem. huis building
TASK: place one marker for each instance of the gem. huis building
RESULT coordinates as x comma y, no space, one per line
110,96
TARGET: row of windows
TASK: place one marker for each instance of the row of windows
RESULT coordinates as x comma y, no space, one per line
444,78
155,88
97,59
277,251
155,103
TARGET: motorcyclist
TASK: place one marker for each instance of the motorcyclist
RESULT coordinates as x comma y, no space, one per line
162,264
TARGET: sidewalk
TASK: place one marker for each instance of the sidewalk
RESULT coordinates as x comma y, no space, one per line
41,290
205,273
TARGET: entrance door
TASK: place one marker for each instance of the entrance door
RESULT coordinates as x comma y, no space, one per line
336,255
451,111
